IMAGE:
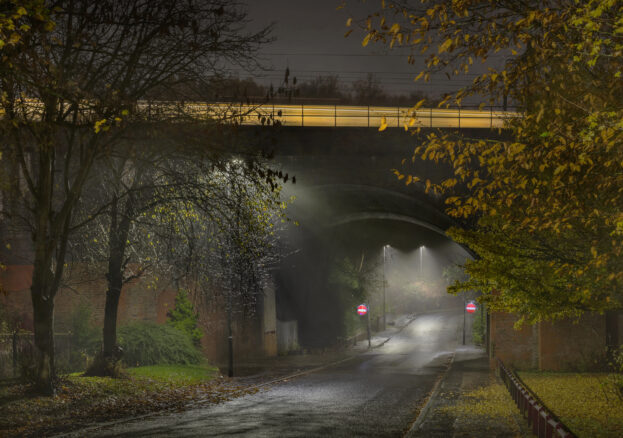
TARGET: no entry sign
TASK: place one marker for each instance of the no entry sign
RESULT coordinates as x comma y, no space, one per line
362,309
471,307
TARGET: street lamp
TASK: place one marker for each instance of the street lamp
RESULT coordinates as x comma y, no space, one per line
384,258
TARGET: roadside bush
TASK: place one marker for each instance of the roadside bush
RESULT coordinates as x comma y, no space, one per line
478,329
616,377
148,343
184,318
85,340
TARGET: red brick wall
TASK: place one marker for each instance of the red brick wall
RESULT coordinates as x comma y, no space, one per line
516,348
15,301
140,300
569,345
563,345
246,329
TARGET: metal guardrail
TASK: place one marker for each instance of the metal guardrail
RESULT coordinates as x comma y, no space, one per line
543,423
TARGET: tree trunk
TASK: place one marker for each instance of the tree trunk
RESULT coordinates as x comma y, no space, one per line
110,316
106,364
43,368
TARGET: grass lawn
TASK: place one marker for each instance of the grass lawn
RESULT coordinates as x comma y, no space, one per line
84,400
178,374
585,402
488,408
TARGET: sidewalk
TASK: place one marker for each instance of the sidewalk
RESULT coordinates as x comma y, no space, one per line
453,411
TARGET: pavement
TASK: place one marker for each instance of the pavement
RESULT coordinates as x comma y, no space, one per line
468,371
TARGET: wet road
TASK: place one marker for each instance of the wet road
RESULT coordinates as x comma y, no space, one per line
374,394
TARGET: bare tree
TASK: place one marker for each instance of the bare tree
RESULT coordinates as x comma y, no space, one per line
68,95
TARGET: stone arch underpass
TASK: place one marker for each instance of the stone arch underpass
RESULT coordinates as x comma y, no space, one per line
348,196
328,213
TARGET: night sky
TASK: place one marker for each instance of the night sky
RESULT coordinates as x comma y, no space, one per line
309,40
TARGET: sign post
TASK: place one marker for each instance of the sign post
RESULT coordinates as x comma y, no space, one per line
469,308
363,310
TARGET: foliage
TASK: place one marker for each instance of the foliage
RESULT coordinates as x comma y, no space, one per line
84,334
85,400
581,401
616,376
479,326
546,203
356,281
177,374
184,318
70,93
148,343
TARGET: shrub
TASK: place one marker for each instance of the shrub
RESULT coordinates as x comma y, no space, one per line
184,318
76,352
478,328
148,343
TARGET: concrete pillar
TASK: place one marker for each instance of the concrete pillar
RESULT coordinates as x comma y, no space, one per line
269,321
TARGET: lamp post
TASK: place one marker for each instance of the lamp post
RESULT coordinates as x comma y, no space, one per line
384,256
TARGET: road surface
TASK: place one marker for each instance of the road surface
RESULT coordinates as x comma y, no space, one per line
375,394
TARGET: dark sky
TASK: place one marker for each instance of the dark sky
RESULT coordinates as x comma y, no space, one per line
309,39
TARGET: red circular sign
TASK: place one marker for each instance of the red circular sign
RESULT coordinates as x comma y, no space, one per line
362,309
471,308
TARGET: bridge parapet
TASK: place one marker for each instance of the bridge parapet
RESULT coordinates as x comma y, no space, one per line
303,115
361,116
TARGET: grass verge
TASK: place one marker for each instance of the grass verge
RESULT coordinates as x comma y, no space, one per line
488,410
586,403
178,374
86,400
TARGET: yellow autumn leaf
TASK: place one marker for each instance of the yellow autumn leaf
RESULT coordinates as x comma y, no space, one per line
383,126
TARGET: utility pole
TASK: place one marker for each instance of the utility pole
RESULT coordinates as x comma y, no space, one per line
230,338
421,259
368,324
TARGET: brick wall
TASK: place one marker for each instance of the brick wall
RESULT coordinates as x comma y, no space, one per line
568,345
141,299
516,348
565,345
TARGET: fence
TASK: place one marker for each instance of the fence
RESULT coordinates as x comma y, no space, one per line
543,423
16,349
